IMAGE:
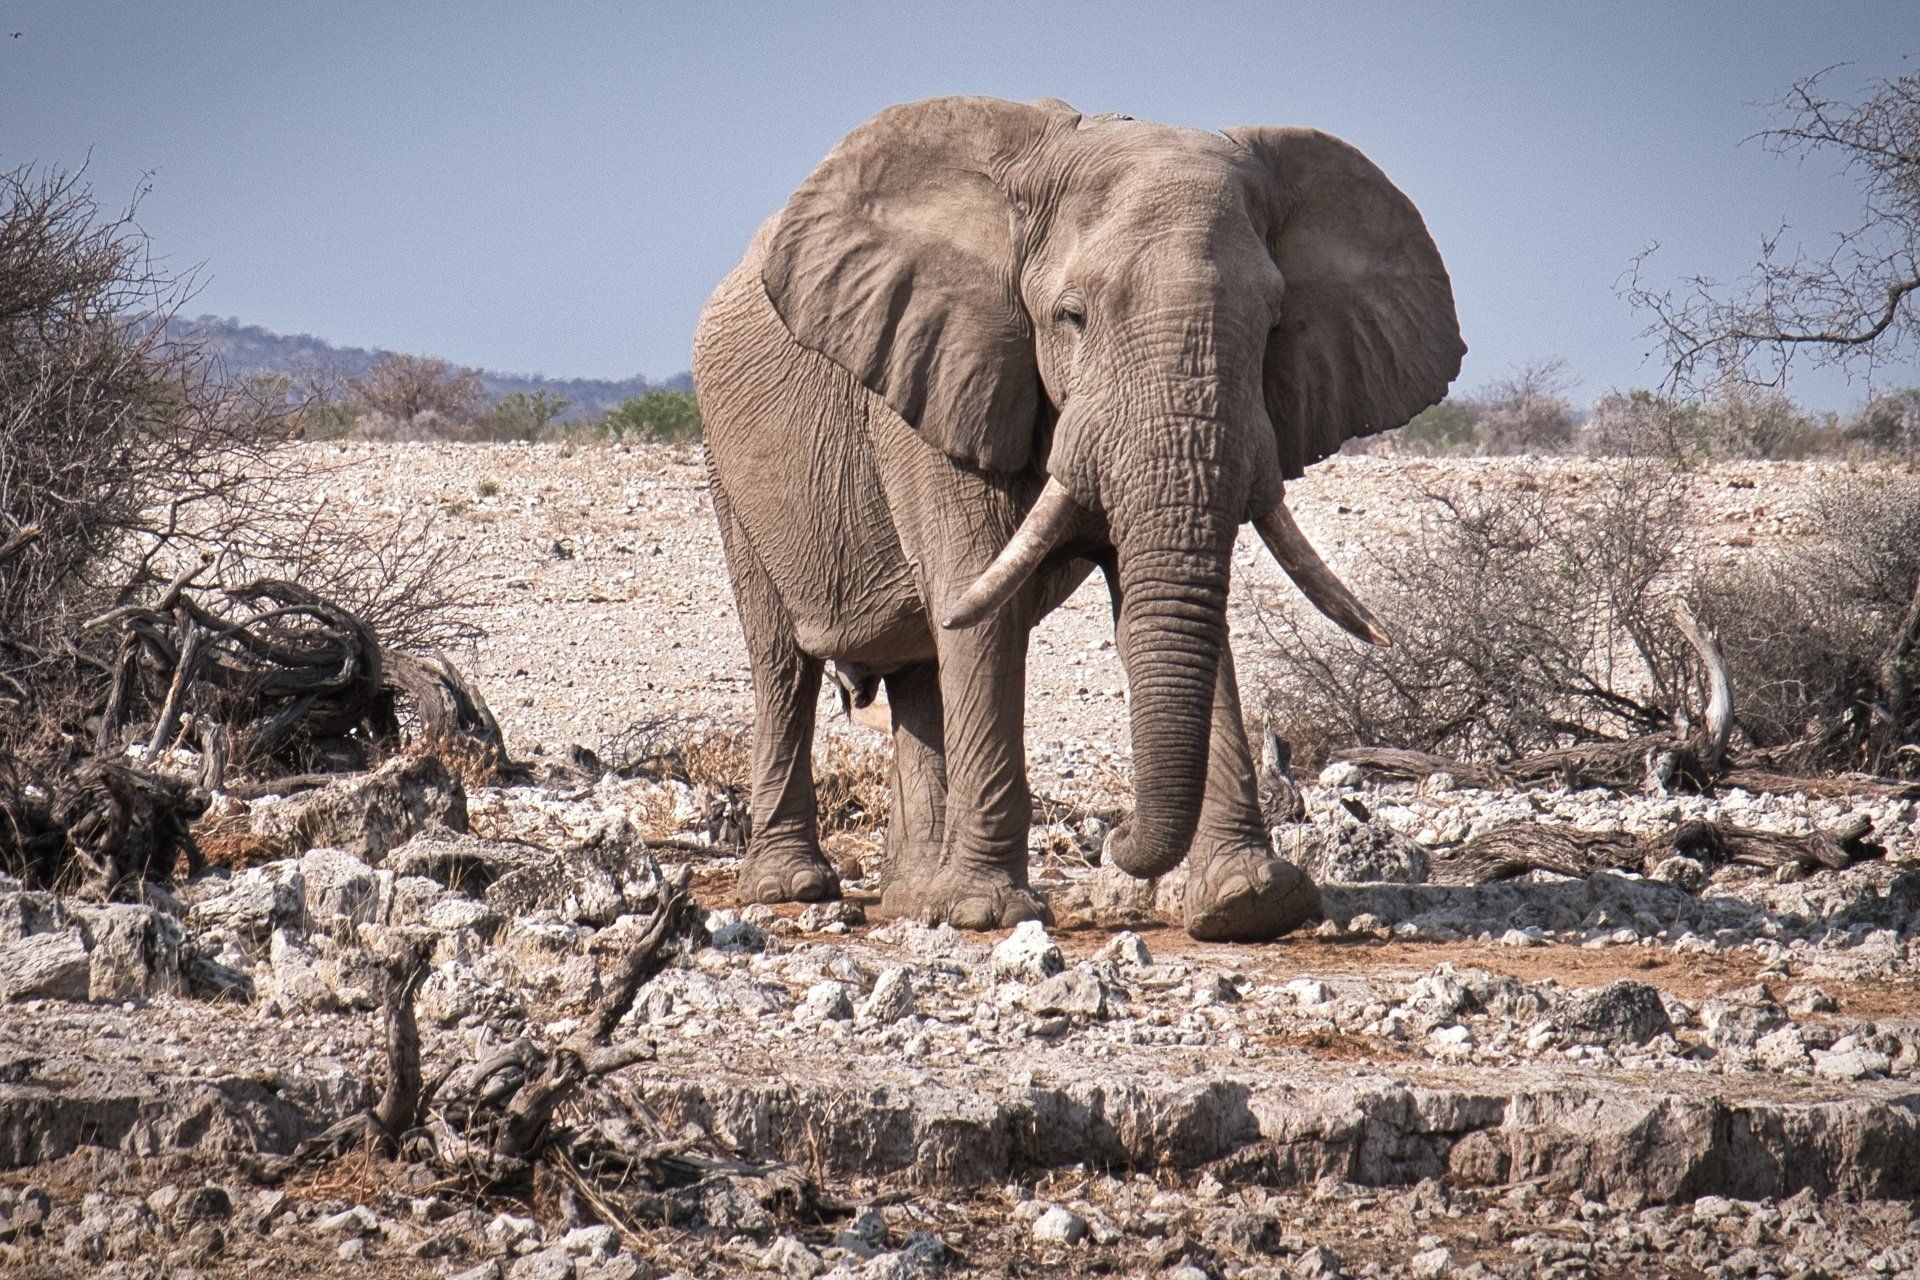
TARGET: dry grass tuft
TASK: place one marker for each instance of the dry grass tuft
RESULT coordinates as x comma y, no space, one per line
852,779
233,845
657,816
722,760
852,787
360,1176
473,762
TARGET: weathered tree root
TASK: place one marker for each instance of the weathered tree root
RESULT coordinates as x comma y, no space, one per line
101,829
493,1123
678,920
1513,850
279,680
1506,852
1612,765
449,709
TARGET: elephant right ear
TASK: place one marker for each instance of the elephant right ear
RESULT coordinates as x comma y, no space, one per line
897,260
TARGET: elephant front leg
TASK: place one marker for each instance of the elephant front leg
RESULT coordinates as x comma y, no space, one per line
980,878
916,828
1236,890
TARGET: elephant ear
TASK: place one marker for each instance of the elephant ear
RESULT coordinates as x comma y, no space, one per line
897,260
1367,335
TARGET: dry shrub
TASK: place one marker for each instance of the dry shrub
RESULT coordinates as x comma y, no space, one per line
401,574
852,786
722,760
116,448
688,748
1888,423
126,458
411,389
474,762
1811,633
1643,424
1736,422
1525,621
851,778
1522,620
657,817
1527,410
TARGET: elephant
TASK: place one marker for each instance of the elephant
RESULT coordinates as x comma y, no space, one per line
986,349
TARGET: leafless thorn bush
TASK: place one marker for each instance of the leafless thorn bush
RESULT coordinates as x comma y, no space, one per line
1522,621
128,468
1527,411
1824,640
1527,623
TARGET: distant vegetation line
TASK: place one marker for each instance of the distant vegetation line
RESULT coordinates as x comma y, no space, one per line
330,392
249,350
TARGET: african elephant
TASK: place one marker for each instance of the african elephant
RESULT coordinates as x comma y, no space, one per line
988,347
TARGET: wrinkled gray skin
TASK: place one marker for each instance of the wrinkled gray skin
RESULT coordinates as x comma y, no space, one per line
969,298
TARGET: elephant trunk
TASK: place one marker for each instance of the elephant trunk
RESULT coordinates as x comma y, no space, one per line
1173,628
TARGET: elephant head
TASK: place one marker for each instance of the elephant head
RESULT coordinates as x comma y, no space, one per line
1170,323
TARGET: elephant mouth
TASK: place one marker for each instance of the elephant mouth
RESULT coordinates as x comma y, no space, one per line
1055,513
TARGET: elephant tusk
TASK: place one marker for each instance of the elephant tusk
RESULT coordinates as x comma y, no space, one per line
1310,573
1037,534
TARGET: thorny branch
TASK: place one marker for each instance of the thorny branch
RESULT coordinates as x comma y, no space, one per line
1853,304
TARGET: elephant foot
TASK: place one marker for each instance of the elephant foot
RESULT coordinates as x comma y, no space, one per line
787,875
1247,895
976,900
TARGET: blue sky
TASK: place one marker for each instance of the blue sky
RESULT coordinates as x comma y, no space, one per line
556,187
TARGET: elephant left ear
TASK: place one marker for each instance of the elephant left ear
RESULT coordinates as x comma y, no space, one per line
1367,335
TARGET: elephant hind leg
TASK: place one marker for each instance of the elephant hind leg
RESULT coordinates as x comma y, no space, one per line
917,825
783,862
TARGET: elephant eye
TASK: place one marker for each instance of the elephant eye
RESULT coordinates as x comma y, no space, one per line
1072,312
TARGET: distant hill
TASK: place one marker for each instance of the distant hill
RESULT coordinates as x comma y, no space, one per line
246,349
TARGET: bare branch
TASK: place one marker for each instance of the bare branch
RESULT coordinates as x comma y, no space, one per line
1851,308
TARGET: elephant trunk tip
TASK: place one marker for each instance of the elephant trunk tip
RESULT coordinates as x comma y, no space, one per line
1124,852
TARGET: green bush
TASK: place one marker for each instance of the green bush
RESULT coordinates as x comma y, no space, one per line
1452,426
519,416
660,417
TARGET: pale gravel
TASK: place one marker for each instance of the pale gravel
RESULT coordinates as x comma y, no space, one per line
603,595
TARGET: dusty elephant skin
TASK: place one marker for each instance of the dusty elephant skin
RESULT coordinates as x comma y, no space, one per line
988,348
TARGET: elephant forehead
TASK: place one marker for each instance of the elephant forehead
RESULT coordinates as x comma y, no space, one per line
1149,172
1184,218
1134,147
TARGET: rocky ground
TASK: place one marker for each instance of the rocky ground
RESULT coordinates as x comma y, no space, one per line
1698,1071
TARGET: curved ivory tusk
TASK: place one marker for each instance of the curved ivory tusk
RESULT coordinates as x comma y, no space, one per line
1310,573
1037,534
